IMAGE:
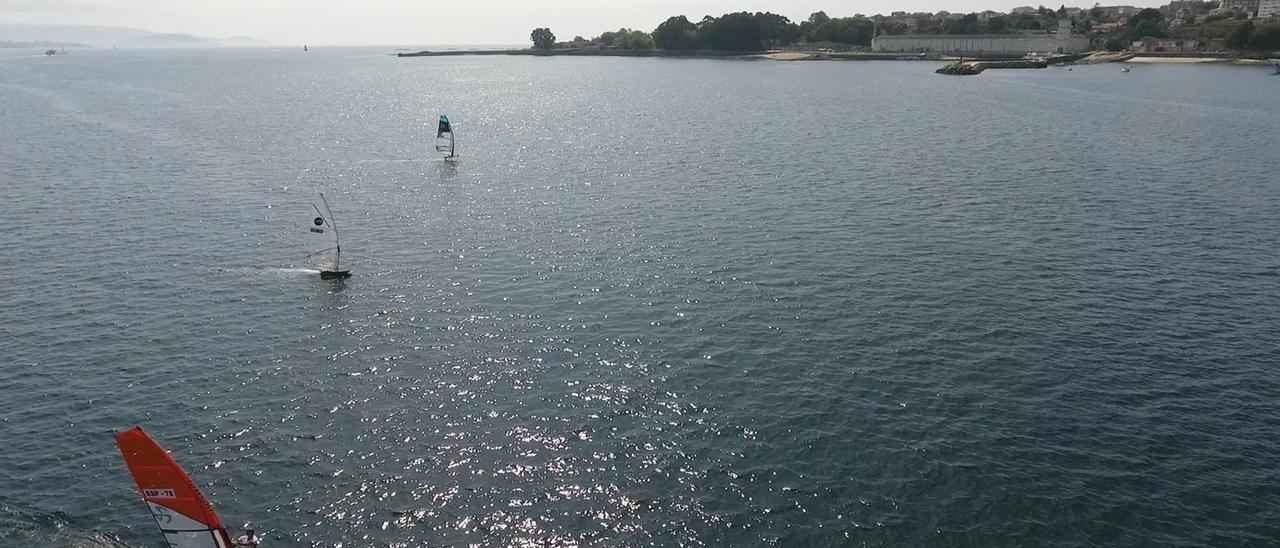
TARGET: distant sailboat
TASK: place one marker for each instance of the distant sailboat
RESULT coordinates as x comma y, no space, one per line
304,47
322,242
1126,69
1276,62
185,517
444,138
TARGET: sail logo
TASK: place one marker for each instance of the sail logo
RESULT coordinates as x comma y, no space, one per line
162,514
159,494
318,230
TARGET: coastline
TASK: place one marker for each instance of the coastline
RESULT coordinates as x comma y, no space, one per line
1146,60
775,55
792,56
585,52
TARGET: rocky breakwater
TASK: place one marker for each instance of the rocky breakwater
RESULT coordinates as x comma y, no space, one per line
970,68
962,69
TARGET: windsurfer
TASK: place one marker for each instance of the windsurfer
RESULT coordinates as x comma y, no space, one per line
247,540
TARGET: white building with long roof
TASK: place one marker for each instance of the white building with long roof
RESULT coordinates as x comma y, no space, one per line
1063,41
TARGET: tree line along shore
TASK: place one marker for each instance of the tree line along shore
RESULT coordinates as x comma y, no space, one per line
748,34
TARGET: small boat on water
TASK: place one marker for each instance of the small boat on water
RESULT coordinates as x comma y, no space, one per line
51,52
445,142
1126,68
183,514
322,242
1276,62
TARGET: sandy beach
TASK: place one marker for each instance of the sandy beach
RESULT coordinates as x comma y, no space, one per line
1197,60
788,55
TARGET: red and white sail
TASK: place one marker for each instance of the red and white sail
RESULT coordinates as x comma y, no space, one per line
183,514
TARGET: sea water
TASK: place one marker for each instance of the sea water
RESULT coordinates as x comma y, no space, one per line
655,302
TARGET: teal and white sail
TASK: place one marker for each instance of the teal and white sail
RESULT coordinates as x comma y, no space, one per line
322,238
444,138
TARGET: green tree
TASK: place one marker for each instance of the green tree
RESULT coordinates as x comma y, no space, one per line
965,25
732,32
815,20
1024,22
928,25
1266,37
776,29
606,38
676,33
1148,22
855,31
625,38
634,40
1219,29
1114,44
894,28
997,24
1242,37
543,38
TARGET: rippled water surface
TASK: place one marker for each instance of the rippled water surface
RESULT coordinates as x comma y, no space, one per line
655,303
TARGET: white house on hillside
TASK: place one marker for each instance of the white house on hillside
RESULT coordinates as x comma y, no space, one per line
1269,9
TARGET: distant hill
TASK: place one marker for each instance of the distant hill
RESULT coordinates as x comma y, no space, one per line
81,34
163,40
45,44
243,41
112,36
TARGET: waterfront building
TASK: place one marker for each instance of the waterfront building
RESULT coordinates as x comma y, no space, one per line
1115,12
1167,45
1064,41
1194,7
1248,6
1180,18
1269,9
1104,28
986,16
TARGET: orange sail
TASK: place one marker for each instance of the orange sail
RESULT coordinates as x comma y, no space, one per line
183,514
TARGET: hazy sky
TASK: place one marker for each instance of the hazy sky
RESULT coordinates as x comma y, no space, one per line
431,21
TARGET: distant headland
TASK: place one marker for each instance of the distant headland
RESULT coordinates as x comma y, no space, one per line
16,35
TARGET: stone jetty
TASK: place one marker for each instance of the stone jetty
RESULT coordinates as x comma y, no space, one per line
970,68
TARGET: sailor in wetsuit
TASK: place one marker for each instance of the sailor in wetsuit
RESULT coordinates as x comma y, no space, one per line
247,540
